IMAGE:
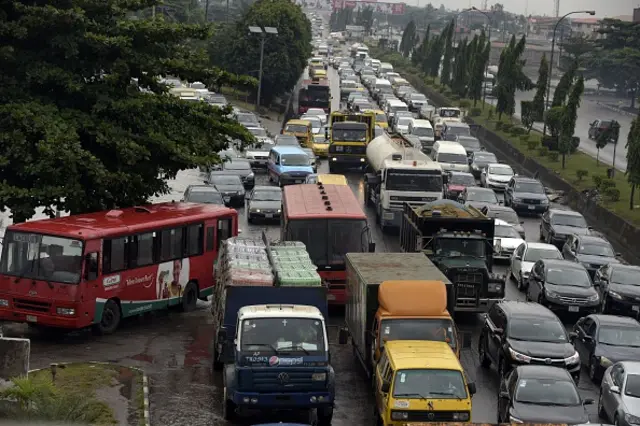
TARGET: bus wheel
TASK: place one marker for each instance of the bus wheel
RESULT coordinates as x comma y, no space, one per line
111,316
189,297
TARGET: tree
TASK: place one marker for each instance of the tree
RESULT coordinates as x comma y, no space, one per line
86,124
527,115
447,38
285,54
420,55
480,58
538,105
564,85
435,55
460,75
409,37
511,77
633,159
577,49
365,19
568,124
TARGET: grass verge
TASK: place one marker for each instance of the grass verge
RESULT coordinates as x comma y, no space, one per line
575,165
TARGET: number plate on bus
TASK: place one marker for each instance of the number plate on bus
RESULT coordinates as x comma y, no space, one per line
32,318
532,207
331,297
574,309
298,181
268,215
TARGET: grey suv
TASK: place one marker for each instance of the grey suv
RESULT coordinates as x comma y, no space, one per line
527,195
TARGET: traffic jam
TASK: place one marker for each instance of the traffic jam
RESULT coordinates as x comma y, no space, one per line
371,263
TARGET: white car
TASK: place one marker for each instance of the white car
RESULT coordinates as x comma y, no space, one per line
525,256
316,123
318,112
496,176
402,125
505,240
260,134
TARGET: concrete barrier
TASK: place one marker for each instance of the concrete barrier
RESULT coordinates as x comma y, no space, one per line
14,357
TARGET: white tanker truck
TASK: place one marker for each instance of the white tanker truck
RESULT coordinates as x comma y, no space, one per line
399,173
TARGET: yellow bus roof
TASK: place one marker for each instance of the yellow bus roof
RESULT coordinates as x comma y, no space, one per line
298,121
375,111
332,179
421,354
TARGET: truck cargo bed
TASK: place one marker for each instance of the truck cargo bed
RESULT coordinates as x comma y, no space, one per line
374,268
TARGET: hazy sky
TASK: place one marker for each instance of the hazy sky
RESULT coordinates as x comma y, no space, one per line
543,7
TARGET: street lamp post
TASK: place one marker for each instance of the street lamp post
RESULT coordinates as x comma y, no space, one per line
455,22
553,46
263,34
486,69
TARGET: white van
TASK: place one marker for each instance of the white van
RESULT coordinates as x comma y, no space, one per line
423,130
385,67
393,106
381,86
375,64
451,156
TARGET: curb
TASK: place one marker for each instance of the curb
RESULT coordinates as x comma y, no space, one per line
145,383
614,109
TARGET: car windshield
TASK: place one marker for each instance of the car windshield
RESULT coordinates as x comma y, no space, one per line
447,157
284,335
626,276
462,179
225,180
619,336
267,195
315,122
422,131
237,165
349,135
568,276
574,221
295,160
404,121
482,196
296,128
597,249
42,257
381,118
459,130
531,187
205,197
425,383
459,247
502,231
413,180
537,330
632,387
535,254
287,140
432,329
418,97
469,144
547,392
484,158
258,132
247,118
501,171
508,216
316,111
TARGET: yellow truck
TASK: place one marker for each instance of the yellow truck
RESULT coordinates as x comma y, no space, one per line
418,382
302,130
349,134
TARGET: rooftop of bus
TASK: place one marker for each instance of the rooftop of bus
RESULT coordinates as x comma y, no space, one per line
89,226
306,202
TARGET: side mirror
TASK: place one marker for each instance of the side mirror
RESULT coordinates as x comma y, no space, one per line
618,254
615,389
500,202
472,388
206,181
518,257
522,222
222,335
386,387
372,247
588,401
343,336
247,195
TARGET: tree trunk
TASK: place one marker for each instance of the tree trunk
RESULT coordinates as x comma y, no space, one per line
633,191
598,158
563,160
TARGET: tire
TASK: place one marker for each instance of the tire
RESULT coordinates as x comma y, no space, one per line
601,412
249,219
111,317
520,282
189,297
541,236
324,416
594,371
228,407
605,306
482,353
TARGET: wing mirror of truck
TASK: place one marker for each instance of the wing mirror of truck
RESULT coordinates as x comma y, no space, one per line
372,247
386,387
222,335
472,388
343,336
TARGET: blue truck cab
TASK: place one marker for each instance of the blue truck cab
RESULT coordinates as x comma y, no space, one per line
273,349
288,165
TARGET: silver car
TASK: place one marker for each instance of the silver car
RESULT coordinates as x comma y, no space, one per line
619,399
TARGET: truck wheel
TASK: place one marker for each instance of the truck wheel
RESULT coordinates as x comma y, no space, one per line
228,408
189,297
111,316
324,415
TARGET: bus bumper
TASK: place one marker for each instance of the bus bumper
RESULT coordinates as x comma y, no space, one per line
47,320
346,161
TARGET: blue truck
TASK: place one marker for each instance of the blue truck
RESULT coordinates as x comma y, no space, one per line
272,346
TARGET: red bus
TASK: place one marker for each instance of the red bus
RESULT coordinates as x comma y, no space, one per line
314,94
329,220
95,269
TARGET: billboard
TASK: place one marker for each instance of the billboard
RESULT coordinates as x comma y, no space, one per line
378,7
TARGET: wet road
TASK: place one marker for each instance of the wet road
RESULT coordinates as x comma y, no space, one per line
175,349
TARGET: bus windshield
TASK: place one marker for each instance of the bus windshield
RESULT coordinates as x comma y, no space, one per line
41,257
328,240
413,180
433,329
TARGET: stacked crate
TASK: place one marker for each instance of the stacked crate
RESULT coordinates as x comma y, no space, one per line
293,266
244,261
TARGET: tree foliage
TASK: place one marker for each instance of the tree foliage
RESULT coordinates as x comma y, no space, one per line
285,54
479,57
511,76
564,85
633,159
459,76
79,134
447,40
364,17
538,105
409,39
340,19
569,118
578,49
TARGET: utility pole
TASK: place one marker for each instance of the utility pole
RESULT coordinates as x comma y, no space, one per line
206,11
153,11
226,18
263,35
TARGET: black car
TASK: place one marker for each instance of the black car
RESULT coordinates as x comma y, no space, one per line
480,160
264,202
562,285
242,168
590,251
518,333
478,197
556,225
527,195
541,394
203,194
456,183
287,140
507,214
247,119
603,340
230,186
619,288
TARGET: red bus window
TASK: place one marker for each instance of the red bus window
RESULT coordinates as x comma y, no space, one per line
211,232
194,240
224,230
115,255
144,246
170,244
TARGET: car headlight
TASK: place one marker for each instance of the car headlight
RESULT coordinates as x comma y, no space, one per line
550,294
460,417
251,176
255,210
514,419
517,200
573,359
517,356
66,311
4,303
319,377
615,295
631,419
593,298
399,415
544,201
279,211
606,362
250,156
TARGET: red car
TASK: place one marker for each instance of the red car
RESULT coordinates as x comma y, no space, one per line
456,183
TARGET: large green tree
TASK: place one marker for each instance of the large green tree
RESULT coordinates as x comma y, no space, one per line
447,43
633,159
569,118
479,58
460,74
533,111
511,76
409,39
564,85
86,125
285,54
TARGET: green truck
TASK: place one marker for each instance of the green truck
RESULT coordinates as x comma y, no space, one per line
459,241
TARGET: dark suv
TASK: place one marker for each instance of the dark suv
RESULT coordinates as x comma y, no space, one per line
556,225
521,333
591,251
527,195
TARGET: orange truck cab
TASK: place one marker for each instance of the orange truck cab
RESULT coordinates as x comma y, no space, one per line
396,296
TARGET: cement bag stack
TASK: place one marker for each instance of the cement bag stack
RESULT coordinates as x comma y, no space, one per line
293,265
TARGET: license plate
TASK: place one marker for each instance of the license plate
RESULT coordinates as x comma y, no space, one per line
635,308
31,318
331,297
532,207
268,215
574,309
298,181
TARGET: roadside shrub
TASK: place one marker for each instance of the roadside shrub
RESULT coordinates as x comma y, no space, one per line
453,97
597,180
532,145
553,155
543,151
525,138
490,114
499,125
518,131
436,87
607,183
446,92
612,193
582,173
464,103
507,126
550,142
475,112
575,143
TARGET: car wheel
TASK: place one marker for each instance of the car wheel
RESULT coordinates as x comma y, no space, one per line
190,297
520,282
594,371
601,412
615,420
111,316
541,236
482,353
228,407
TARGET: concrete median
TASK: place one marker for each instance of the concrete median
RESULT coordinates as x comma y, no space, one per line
14,357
